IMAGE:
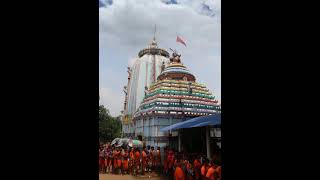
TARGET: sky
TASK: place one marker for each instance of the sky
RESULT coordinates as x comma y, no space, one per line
127,26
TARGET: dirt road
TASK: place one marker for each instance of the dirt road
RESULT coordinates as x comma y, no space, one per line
127,177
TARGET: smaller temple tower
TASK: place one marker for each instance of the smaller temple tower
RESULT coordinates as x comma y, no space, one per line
174,97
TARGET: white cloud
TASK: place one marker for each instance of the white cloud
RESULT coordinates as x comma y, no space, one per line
112,100
127,26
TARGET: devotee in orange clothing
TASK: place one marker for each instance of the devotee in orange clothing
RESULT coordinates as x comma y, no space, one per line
210,174
189,170
125,162
204,169
158,158
197,168
109,160
131,161
137,159
153,157
101,159
149,161
132,154
119,161
106,158
137,156
179,174
144,161
213,172
115,158
218,171
170,160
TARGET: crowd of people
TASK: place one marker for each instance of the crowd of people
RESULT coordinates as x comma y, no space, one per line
174,165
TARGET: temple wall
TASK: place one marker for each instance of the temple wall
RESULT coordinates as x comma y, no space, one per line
150,127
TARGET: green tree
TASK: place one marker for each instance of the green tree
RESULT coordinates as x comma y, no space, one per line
109,127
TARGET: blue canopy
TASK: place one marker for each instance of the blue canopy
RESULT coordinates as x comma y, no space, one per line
206,123
211,120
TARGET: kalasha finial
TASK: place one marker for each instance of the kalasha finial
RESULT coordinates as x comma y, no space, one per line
175,56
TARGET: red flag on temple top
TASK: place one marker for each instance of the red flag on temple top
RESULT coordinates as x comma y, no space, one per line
181,41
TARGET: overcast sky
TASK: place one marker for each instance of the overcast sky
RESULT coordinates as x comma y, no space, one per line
127,26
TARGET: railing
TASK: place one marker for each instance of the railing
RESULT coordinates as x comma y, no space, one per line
183,105
153,51
172,92
182,97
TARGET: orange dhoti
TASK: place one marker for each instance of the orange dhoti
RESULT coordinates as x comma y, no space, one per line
125,164
115,163
101,162
119,162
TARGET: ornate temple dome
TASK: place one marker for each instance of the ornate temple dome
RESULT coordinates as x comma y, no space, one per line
174,97
176,92
176,71
153,50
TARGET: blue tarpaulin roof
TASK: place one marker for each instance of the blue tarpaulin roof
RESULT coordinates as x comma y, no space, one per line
211,120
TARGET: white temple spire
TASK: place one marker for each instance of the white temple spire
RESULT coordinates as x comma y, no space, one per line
154,42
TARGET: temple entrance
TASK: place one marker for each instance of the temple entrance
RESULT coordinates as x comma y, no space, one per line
193,140
173,142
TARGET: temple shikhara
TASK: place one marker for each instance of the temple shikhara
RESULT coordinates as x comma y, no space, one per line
144,72
161,91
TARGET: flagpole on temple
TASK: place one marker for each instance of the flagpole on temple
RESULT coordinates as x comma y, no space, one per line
176,40
155,30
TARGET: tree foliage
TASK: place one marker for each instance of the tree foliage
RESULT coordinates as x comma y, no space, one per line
109,127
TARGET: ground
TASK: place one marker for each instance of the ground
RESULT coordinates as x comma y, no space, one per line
129,177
